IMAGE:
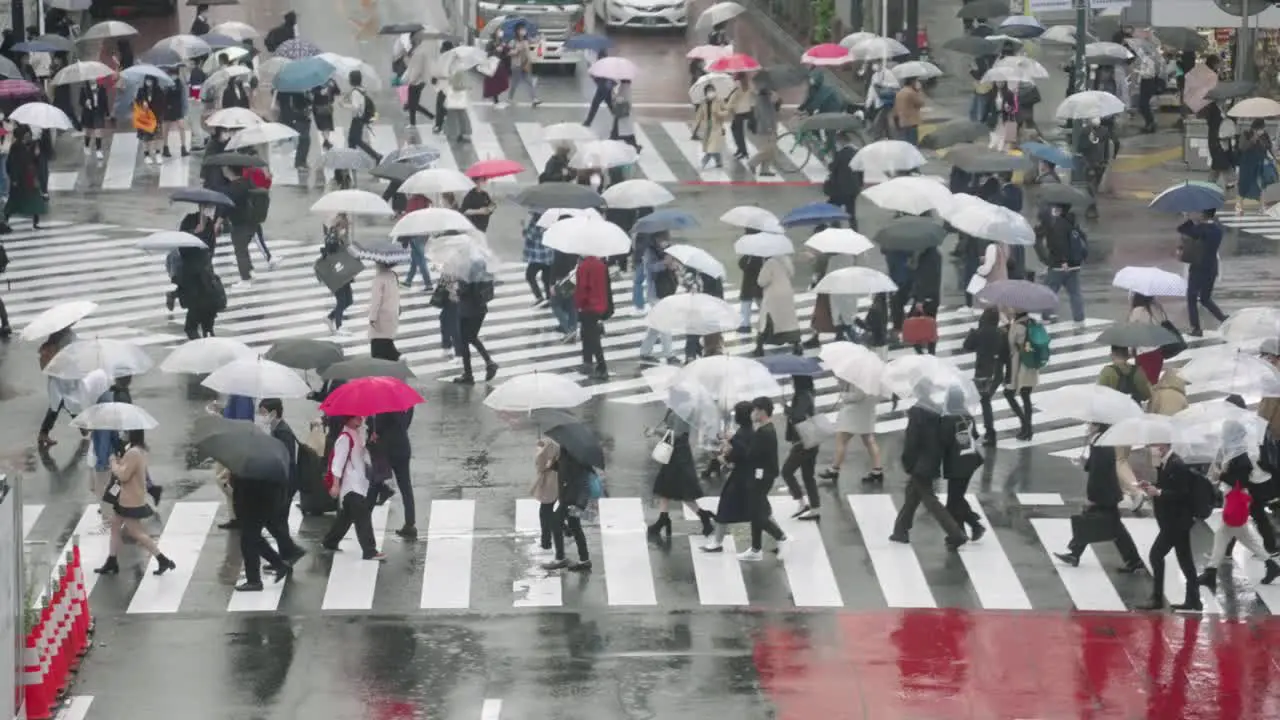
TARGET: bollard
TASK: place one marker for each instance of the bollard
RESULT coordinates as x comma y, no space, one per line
74,647
34,691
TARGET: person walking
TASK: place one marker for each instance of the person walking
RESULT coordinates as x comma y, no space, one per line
1147,310
1234,470
417,75
537,259
1255,152
677,479
26,195
765,114
243,228
708,126
546,487
336,235
523,49
923,452
1201,242
93,115
196,283
960,461
563,290
1020,379
740,104
1173,501
497,82
351,488
735,494
474,296
384,313
1100,519
591,298
1062,247
926,294
572,498
363,112
907,108
762,458
389,438
802,455
991,355
322,101
127,495
778,324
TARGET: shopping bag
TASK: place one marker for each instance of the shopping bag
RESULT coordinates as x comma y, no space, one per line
663,450
976,283
338,269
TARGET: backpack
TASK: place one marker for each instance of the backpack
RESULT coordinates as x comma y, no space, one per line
1036,354
257,206
1126,382
1077,246
330,480
370,110
1235,507
1202,496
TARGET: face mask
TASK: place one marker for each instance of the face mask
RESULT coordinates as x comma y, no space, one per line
1057,212
263,421
208,212
712,95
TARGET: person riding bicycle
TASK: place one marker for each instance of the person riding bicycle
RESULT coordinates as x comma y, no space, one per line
822,98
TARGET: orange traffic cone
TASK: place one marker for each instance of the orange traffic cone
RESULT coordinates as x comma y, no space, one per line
35,689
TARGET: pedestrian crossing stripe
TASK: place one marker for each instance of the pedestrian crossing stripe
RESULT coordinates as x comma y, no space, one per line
123,167
1263,225
65,261
482,556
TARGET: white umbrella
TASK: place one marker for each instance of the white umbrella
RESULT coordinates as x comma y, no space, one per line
603,155
222,76
729,379
434,181
1228,371
41,115
344,65
1140,431
353,202
1063,34
554,215
233,117
1253,108
257,378
186,46
463,57
721,12
204,355
261,134
237,30
991,222
1107,49
58,317
1251,325
929,380
855,281
233,54
1007,74
839,241
723,84
915,69
167,240
878,48
848,41
887,157
114,416
750,217
614,68
764,245
432,221
697,259
638,193
692,314
587,237
108,29
1024,64
1088,105
84,71
1150,281
914,195
1088,403
526,393
466,256
855,364
117,358
567,133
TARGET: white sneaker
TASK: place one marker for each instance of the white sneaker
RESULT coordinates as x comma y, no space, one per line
146,159
98,154
242,285
780,546
713,546
87,151
333,328
750,555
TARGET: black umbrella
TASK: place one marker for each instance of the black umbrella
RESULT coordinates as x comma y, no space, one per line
362,367
209,425
910,234
218,41
400,28
395,171
201,196
1231,90
249,454
576,439
982,161
304,353
956,132
566,195
984,10
971,45
1060,194
1182,38
235,160
832,121
1136,335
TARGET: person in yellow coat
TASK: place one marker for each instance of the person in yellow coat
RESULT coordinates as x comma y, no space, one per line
708,123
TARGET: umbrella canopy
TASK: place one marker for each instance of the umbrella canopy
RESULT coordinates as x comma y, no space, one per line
981,161
1140,431
201,196
552,216
218,41
261,134
466,257
348,159
353,202
708,53
41,115
235,29
1060,194
574,438
1089,105
304,75
973,45
1056,156
930,380
234,117
664,220
1190,197
58,317
462,58
19,90
750,217
8,69
637,193
692,314
1022,26
432,221
370,396
855,364
108,29
1230,90
297,49
489,169
788,364
437,180
955,132
166,240
878,49
818,213
379,250
80,72
983,9
406,28
567,134
730,379
204,355
247,452
1233,372
614,68
991,222
887,157
526,393
1251,325
765,245
304,353
916,69
852,39
116,358
1150,281
234,160
910,234
855,281
733,64
718,14
117,416
1134,335
186,46
914,195
587,237
1089,403
603,155
839,241
395,171
826,55
1018,295
366,367
697,259
419,156
1253,108
544,196
257,378
829,122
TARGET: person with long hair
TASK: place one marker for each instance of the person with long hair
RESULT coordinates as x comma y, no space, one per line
733,506
128,497
677,479
94,107
1144,309
991,355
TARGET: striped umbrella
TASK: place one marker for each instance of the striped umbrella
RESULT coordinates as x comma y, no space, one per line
387,252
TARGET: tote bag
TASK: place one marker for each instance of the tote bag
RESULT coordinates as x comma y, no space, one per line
663,450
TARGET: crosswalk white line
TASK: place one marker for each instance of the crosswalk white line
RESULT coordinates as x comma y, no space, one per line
1088,585
76,708
30,516
182,540
1144,531
623,544
446,576
691,150
491,709
122,161
485,143
352,579
990,571
651,163
718,575
896,566
1250,568
536,587
809,573
268,599
175,172
1031,499
63,181
95,545
539,150
384,138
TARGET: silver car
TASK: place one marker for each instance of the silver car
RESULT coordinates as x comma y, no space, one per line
654,14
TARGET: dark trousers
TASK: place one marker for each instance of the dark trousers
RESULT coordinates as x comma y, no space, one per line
469,329
355,139
920,490
303,126
958,505
414,105
1146,91
404,483
806,461
1123,540
1200,292
531,273
738,129
1179,541
762,516
241,235
383,349
562,520
4,315
546,522
602,96
355,510
440,111
988,414
592,334
51,417
257,507
1021,410
199,323
343,298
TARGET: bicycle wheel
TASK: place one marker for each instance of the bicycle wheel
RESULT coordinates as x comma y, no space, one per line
794,147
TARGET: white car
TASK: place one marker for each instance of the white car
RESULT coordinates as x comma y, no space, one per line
644,14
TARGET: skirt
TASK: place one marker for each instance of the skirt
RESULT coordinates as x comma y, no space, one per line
678,479
857,418
324,120
141,512
93,120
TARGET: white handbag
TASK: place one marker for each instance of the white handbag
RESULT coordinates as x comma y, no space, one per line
663,450
976,283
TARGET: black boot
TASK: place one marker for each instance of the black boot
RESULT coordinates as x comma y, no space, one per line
1209,579
707,517
1155,603
1273,571
110,567
1191,603
976,530
165,564
662,524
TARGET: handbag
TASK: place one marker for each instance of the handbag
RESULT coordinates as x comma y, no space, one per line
814,430
439,296
920,330
976,283
1172,349
963,458
112,492
338,269
1090,527
663,450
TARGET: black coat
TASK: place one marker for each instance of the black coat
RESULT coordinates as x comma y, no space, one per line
990,347
1173,509
285,435
735,495
803,406
392,430
750,267
764,457
922,446
678,479
572,474
927,278
1102,487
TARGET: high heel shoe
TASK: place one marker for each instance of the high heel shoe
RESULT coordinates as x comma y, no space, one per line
661,525
708,527
110,567
165,565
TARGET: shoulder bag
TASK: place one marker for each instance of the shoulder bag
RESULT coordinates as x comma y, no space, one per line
664,449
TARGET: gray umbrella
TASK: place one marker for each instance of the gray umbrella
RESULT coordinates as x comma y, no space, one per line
1019,295
835,121
1229,90
348,159
1182,38
1133,335
247,453
363,367
161,57
559,195
972,45
982,161
304,354
9,69
1060,194
63,44
910,234
956,132
394,171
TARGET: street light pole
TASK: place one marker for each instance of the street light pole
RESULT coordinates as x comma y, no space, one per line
1242,42
1081,83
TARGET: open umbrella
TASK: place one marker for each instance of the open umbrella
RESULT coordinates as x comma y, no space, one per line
730,378
990,222
603,155
571,435
1019,295
910,234
594,43
396,172
972,45
234,117
1190,196
58,317
370,396
80,72
788,364
551,216
614,68
981,161
1089,105
878,49
261,134
696,259
1135,335
116,416
765,245
235,29
201,196
117,358
1251,325
718,14
1253,108
234,160
887,157
1230,90
218,41
167,240
489,169
839,241
544,196
297,49
16,89
1089,403
381,250
733,64
247,452
204,355
1229,371
826,55
8,69
404,28
914,195
928,380
304,353
664,220
352,202
526,393
1140,431
818,213
828,122
1048,153
366,367
955,132
983,10
1022,27
637,193
855,281
567,134
1150,281
466,257
750,217
1060,194
587,237
348,159
257,378
431,221
692,314
856,365
186,46
437,180
915,69
418,156
108,29
41,115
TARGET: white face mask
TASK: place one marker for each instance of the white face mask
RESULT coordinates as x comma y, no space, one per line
712,94
208,212
263,421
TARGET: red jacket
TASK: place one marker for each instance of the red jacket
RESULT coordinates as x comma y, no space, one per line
592,292
258,176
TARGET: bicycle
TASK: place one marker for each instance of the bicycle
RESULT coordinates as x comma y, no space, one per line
800,146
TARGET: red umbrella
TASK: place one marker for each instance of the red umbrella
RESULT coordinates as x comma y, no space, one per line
735,63
370,396
487,169
826,54
19,89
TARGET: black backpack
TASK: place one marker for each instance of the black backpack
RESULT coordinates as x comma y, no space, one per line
257,206
370,110
1202,496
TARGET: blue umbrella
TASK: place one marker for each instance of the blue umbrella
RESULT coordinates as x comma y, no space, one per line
1048,153
1190,197
665,220
36,46
788,364
218,42
818,213
303,75
595,43
201,196
138,73
510,24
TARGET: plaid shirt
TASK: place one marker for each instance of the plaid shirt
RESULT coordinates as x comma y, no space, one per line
534,252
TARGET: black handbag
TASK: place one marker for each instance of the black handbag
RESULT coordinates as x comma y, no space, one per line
1088,528
1172,349
439,296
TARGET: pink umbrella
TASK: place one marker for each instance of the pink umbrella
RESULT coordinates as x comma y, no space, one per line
18,90
736,63
826,54
370,396
487,169
614,68
709,53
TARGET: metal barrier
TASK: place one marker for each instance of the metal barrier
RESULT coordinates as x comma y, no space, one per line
12,596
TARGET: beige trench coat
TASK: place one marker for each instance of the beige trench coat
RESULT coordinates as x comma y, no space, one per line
715,113
779,302
1019,377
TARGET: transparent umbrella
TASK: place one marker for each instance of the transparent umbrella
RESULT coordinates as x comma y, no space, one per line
464,256
911,195
257,378
692,314
1251,325
1141,431
750,217
887,157
1088,403
526,393
204,355
928,380
856,365
117,358
855,281
1229,371
114,416
730,379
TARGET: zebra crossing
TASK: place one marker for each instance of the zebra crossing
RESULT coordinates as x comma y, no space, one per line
669,156
1262,225
67,261
485,556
